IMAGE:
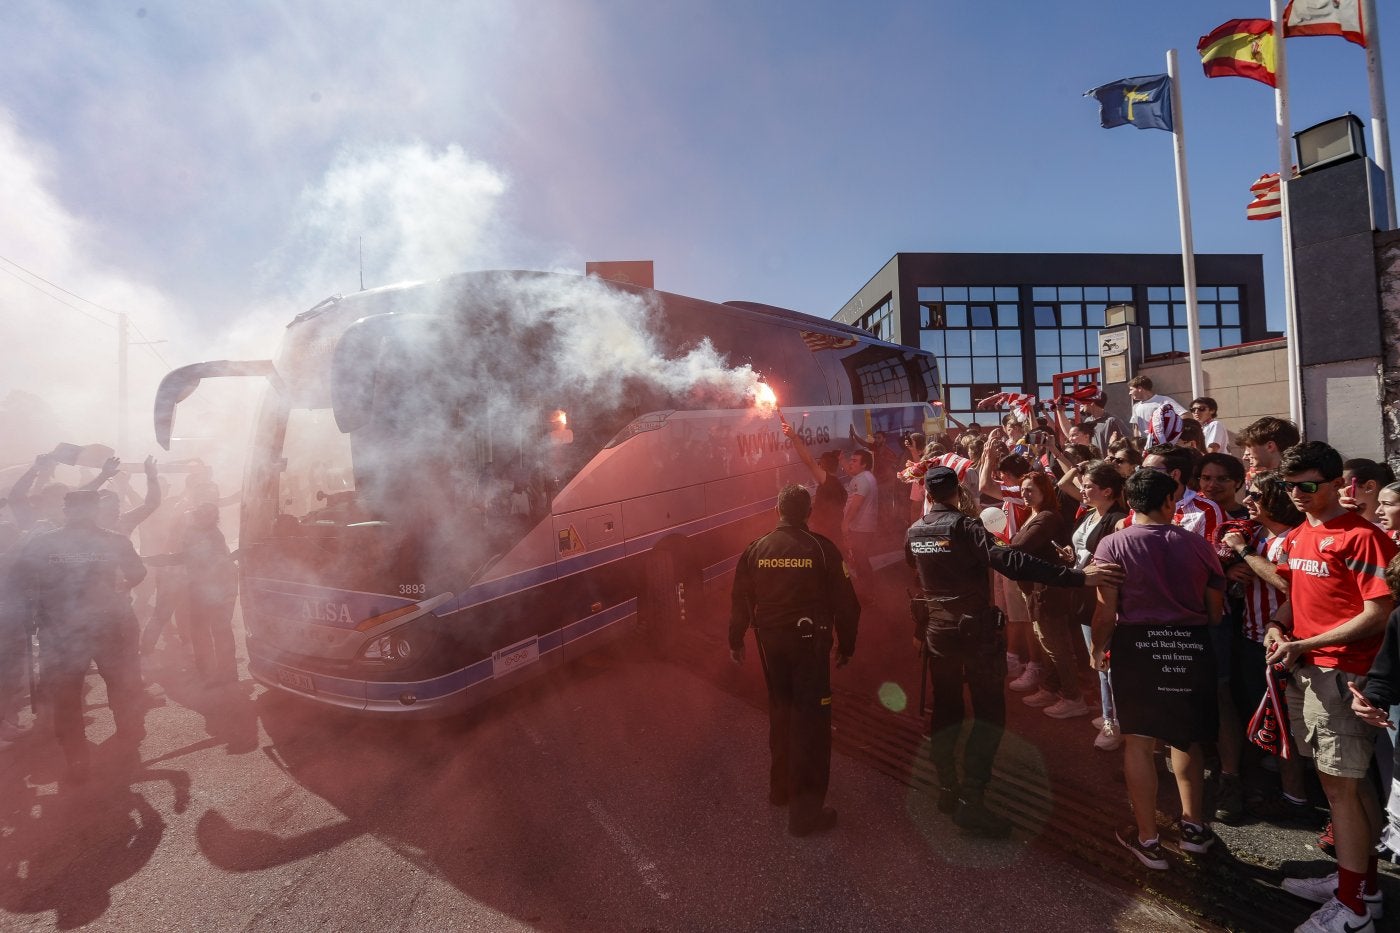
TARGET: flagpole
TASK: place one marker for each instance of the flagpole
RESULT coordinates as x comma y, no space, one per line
1188,250
1285,176
1380,122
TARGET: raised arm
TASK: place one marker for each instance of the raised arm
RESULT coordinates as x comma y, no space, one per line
800,445
19,492
136,516
987,468
109,469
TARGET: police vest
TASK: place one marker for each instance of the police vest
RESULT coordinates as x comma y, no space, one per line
949,565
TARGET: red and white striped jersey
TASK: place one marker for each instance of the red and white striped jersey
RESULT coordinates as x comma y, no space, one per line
959,465
1261,601
1014,507
1199,514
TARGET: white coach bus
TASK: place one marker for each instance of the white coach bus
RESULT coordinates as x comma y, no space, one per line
442,498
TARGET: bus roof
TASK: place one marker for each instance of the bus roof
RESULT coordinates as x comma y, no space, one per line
749,307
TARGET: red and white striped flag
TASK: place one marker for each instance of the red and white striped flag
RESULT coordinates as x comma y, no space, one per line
1267,203
1018,400
1165,425
1325,18
1267,197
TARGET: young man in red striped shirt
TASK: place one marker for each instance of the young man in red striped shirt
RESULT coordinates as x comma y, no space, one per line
1334,565
1264,592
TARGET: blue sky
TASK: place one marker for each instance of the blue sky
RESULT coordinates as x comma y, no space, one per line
192,163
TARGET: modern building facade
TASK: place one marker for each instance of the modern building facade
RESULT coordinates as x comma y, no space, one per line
1008,322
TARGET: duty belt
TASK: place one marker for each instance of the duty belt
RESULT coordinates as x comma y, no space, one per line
805,627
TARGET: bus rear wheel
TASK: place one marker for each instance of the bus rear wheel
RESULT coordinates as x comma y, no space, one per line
662,604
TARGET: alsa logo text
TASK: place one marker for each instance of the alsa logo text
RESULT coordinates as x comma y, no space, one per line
323,610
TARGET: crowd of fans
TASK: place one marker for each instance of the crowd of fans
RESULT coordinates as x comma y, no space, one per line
75,590
1254,635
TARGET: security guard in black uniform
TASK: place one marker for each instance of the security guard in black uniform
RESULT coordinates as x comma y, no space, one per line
793,588
966,641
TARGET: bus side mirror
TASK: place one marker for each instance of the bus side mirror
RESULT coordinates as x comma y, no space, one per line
179,384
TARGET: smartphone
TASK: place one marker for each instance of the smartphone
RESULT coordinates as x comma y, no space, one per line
1361,696
1351,490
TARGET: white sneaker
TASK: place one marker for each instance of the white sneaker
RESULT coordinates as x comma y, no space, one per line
1041,699
1067,709
1336,917
1014,666
1108,739
1320,890
1029,679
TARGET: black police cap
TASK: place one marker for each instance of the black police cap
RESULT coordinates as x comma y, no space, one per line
940,480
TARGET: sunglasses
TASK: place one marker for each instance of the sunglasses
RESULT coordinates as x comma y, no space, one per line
1251,494
1199,408
1307,486
1117,460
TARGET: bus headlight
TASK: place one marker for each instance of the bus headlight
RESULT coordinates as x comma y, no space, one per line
393,647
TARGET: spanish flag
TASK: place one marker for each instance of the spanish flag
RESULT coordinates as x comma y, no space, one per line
1243,48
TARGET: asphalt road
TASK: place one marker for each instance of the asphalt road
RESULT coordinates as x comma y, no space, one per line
626,792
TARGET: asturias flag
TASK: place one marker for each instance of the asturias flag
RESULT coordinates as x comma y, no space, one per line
1243,48
1145,102
1325,18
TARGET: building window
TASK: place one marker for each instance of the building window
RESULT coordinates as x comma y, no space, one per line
1166,320
879,320
1066,320
975,333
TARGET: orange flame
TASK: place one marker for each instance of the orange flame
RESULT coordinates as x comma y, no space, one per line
764,396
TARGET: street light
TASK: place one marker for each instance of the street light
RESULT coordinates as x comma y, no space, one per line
1330,142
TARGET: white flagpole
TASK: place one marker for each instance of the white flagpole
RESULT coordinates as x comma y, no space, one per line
1380,122
1188,250
1285,175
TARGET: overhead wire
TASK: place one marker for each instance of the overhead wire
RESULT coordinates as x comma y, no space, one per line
145,341
86,314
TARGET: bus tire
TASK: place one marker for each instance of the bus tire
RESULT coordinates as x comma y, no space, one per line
662,607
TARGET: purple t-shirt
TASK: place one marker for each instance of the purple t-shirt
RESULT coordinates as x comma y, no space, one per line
1167,569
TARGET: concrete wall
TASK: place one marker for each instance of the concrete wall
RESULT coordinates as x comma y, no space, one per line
1388,273
1247,382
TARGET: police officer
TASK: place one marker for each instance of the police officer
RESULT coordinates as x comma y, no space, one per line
793,588
77,580
966,642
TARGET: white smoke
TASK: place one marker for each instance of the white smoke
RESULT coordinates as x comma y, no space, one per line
417,214
603,337
424,214
421,213
58,320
